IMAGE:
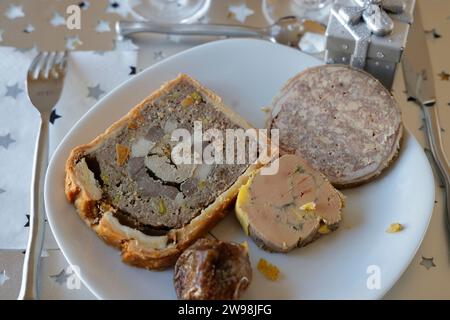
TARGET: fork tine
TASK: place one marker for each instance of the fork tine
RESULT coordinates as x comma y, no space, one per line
59,57
60,63
49,64
42,61
34,64
63,63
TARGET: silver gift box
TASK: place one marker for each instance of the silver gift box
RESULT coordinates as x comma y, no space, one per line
382,53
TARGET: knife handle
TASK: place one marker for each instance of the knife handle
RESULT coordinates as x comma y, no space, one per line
125,28
433,133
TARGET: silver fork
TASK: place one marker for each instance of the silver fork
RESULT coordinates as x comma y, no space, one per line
44,85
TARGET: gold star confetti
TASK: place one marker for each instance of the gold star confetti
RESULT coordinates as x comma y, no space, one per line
444,76
427,263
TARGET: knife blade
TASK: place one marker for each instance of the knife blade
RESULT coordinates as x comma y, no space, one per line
416,64
418,76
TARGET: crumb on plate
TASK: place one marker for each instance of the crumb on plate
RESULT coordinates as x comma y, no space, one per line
269,270
395,227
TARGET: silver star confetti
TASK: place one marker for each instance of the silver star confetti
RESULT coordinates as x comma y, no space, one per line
6,140
29,28
95,92
427,263
26,50
14,12
102,26
3,278
123,8
73,42
13,91
125,44
57,19
158,55
61,277
241,12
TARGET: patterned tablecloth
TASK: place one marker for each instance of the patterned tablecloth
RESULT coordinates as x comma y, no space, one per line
40,25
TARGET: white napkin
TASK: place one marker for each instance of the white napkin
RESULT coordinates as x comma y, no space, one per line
90,76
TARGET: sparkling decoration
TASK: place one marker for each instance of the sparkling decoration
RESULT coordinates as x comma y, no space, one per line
376,20
380,55
364,33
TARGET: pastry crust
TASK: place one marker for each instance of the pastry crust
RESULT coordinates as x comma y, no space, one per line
137,248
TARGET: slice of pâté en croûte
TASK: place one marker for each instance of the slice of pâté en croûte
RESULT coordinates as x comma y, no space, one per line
127,189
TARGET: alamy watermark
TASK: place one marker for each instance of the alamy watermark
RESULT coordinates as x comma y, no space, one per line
69,277
229,146
373,281
73,20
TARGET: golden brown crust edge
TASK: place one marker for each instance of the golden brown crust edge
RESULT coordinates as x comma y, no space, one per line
133,251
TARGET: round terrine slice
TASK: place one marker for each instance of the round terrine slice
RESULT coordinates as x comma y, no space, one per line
341,120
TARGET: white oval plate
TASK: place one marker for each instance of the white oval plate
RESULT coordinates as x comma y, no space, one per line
360,260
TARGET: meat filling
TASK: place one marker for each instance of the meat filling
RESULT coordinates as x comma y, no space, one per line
139,178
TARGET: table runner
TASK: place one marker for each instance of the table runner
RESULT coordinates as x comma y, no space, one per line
90,75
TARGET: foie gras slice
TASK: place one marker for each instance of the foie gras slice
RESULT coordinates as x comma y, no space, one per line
290,208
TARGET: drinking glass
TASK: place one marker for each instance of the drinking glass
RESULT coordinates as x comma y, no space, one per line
171,11
312,4
317,10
